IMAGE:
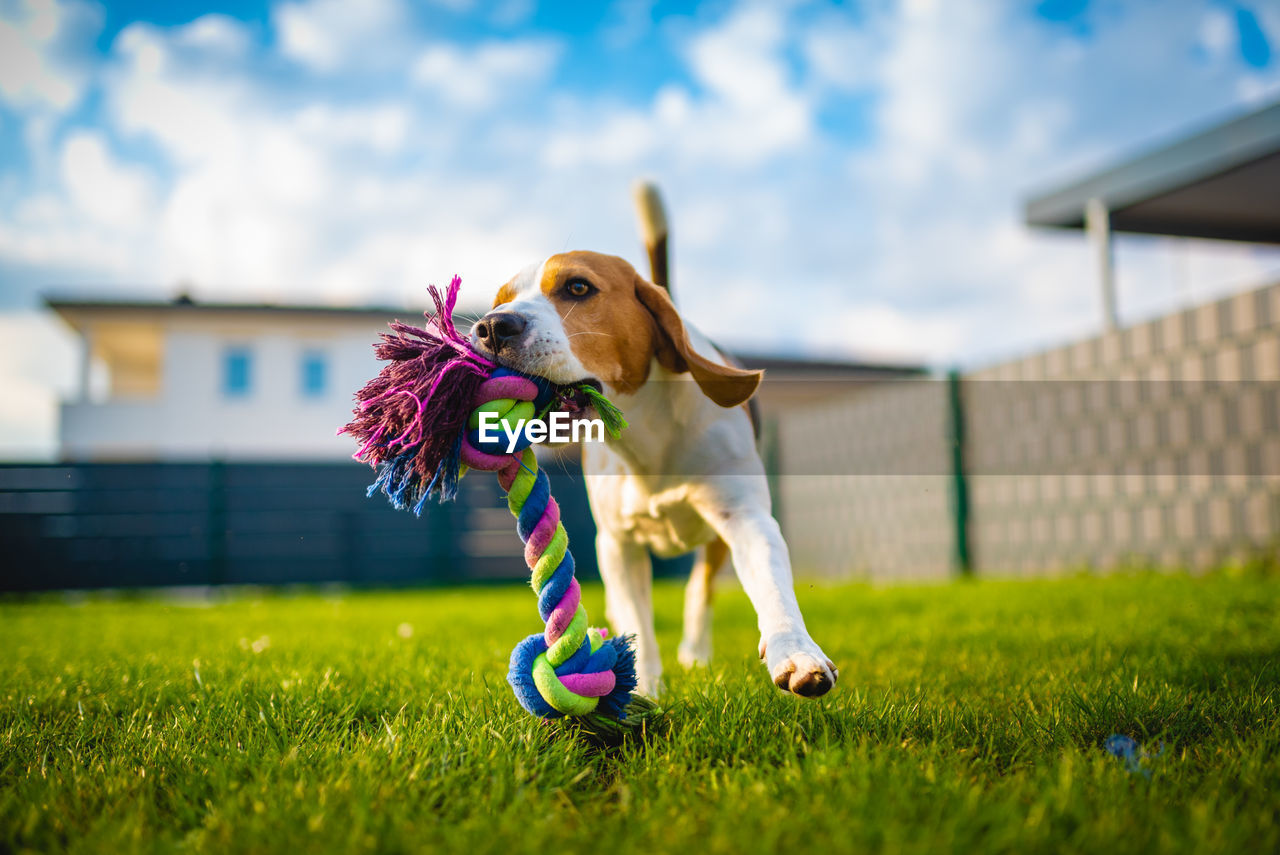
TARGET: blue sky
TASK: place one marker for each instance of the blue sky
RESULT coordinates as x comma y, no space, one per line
844,178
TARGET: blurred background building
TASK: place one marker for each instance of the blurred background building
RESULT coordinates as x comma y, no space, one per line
204,381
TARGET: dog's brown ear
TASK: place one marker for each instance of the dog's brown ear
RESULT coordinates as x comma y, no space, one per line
723,384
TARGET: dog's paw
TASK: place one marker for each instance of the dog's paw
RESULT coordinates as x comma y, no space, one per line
798,665
694,654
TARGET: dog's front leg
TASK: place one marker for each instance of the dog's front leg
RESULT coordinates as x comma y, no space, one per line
738,509
628,595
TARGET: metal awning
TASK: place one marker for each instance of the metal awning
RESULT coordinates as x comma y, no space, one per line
1221,183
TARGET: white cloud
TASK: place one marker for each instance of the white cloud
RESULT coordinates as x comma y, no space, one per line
622,139
216,33
33,71
332,35
749,112
755,111
478,77
409,259
704,223
46,233
116,196
194,119
843,54
384,128
881,331
93,219
739,59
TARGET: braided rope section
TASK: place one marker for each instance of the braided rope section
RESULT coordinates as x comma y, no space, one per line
569,669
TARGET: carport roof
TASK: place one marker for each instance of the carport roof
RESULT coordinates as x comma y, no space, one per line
1223,182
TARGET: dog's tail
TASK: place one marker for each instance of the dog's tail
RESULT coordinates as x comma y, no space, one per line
653,230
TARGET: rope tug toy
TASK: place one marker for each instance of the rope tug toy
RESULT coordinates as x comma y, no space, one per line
418,423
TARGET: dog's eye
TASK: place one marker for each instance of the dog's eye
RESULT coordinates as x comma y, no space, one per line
578,287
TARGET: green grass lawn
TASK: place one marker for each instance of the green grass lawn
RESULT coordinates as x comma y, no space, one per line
968,718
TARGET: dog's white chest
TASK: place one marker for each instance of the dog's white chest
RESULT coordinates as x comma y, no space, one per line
665,522
647,511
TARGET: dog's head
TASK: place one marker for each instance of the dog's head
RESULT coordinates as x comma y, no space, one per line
586,316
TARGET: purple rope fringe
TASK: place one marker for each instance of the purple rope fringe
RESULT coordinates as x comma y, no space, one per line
414,445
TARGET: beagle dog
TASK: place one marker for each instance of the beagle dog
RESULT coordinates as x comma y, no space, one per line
685,474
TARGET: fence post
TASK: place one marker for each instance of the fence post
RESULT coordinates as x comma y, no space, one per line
959,485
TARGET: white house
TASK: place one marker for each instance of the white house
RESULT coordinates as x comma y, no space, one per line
200,381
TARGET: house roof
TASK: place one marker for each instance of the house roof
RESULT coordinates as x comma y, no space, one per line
1222,182
64,304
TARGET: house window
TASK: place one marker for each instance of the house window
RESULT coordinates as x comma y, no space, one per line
315,374
237,372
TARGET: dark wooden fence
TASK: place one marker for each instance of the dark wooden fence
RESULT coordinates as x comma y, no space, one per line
124,525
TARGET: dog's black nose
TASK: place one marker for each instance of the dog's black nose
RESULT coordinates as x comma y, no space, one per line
499,328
